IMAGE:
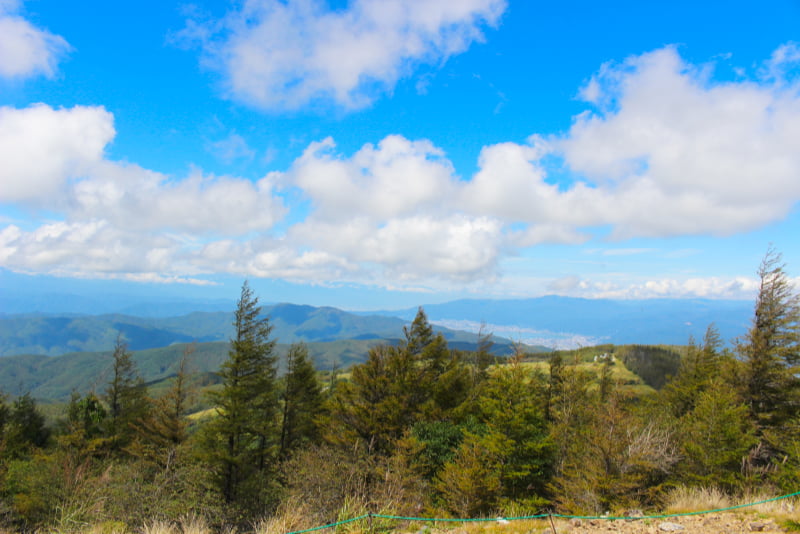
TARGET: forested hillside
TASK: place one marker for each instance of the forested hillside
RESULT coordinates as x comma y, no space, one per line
419,428
56,335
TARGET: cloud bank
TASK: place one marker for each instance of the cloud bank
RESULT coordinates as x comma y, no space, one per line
662,150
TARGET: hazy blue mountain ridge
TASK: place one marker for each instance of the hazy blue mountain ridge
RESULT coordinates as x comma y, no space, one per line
646,321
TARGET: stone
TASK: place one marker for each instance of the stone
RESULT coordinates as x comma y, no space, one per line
670,527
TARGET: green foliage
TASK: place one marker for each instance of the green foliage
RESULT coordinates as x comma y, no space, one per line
771,348
302,402
653,364
24,429
334,482
470,483
164,428
125,397
417,429
242,440
511,405
431,444
377,404
715,436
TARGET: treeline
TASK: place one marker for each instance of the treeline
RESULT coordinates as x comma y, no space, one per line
418,429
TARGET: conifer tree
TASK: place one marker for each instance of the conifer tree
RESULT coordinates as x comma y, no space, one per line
245,432
419,335
700,366
86,424
771,349
302,401
25,427
162,431
125,397
715,436
377,404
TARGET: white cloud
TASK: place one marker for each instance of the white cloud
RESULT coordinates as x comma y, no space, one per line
709,287
26,50
278,55
43,148
132,197
54,159
671,152
397,177
666,151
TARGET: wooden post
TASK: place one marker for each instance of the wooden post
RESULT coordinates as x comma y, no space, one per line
552,523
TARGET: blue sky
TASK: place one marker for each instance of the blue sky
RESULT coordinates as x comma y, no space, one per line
387,153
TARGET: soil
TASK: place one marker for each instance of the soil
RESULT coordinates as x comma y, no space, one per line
719,523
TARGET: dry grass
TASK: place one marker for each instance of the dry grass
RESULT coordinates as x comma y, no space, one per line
189,524
685,499
783,509
289,518
702,499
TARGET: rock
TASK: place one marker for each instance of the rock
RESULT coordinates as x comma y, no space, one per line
632,515
594,522
670,527
575,522
757,527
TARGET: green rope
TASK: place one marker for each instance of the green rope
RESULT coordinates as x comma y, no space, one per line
680,514
542,516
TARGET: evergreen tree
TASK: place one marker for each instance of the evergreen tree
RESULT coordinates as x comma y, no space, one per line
771,349
25,427
163,430
715,436
419,335
511,406
377,404
697,370
85,425
245,431
125,397
302,401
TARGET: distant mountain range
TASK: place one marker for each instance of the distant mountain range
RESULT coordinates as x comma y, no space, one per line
53,354
53,335
564,322
554,322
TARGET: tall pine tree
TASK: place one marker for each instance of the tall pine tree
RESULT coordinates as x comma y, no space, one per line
771,349
125,397
244,433
302,401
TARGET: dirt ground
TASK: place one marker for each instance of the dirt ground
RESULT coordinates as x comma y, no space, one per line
719,523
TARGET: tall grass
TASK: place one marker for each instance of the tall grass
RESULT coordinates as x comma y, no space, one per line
685,499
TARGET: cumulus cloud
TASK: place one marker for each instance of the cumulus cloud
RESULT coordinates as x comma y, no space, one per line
279,55
26,50
54,159
396,177
664,151
43,148
672,152
128,195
